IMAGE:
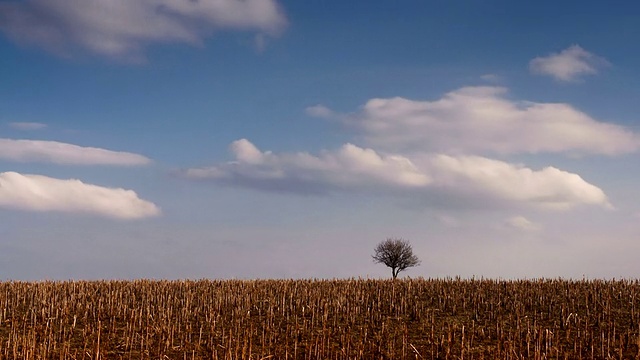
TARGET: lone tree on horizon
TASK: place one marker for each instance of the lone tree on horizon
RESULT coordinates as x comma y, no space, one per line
396,254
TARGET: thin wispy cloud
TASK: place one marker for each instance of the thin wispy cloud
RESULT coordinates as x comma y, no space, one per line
355,169
491,78
520,222
319,111
569,65
66,154
448,220
43,194
27,126
122,29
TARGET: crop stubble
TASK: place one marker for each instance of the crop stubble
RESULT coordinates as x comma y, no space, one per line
321,319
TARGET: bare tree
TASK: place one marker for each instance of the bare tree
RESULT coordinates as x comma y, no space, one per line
396,254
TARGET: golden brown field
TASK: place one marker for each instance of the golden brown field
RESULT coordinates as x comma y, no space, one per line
320,319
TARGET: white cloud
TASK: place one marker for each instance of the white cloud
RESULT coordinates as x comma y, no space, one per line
522,223
351,168
568,65
41,193
67,154
27,126
481,119
549,187
319,111
491,78
122,28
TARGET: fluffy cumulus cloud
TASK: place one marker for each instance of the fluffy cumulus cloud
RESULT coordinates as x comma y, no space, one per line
549,187
41,193
482,119
352,168
66,154
122,28
435,153
568,65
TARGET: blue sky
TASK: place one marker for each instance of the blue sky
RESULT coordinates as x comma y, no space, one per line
263,138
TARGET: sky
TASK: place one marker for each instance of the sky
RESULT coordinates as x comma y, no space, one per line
173,139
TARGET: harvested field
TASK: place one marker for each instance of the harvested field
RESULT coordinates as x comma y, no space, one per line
320,319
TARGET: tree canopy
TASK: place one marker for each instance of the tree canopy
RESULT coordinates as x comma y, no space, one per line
396,254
